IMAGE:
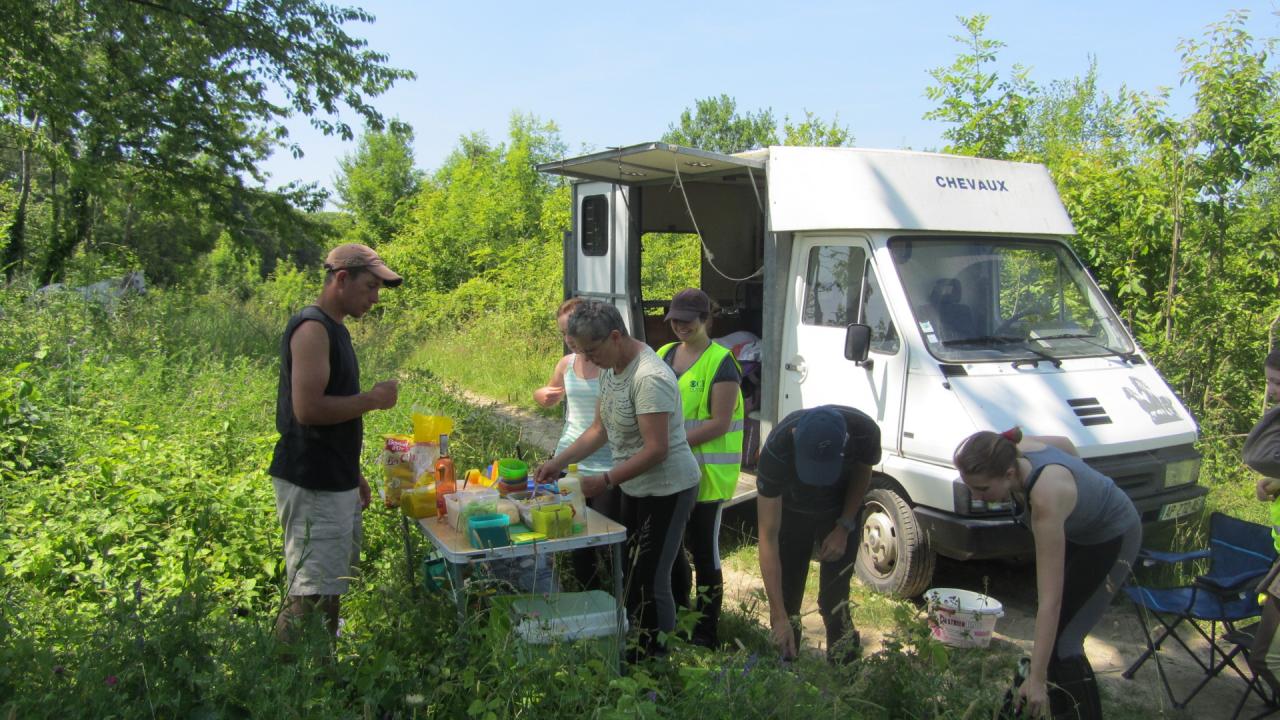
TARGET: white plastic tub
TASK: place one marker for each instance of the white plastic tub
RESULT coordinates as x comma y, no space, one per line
962,618
588,620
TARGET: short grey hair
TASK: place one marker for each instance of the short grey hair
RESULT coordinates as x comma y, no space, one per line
594,320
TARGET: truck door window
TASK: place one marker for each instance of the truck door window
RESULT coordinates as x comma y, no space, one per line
875,313
833,285
595,225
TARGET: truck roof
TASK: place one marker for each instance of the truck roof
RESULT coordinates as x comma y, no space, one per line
825,188
856,188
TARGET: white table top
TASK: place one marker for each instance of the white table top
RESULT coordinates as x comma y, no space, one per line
456,548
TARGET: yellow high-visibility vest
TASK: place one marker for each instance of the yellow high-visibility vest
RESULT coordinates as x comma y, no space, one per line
719,458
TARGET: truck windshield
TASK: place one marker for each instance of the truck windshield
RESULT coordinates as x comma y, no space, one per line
998,299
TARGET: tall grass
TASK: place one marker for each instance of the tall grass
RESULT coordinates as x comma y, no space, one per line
140,561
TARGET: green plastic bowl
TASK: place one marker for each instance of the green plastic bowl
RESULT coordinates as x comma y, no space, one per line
513,469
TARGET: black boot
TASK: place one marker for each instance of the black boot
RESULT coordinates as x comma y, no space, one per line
1073,690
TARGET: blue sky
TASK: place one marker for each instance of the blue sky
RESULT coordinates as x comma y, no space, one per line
619,73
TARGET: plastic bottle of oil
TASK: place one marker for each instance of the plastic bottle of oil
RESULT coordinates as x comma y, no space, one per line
571,483
446,482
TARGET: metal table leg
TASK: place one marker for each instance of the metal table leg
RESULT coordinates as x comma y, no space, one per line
459,593
408,553
621,603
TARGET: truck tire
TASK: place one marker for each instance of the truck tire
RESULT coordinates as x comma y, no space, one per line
894,556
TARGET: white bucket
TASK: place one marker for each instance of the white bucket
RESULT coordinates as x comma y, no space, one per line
961,618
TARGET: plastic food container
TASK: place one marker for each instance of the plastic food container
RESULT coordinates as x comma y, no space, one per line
489,530
586,622
419,502
461,505
527,502
962,618
555,520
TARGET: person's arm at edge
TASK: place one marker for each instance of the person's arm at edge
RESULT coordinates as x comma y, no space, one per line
769,520
309,347
551,393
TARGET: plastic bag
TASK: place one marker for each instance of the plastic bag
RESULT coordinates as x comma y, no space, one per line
397,467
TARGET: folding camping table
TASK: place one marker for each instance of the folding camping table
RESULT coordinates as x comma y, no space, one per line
457,552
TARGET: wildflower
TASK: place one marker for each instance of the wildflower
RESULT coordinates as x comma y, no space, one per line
112,680
414,699
652,696
751,662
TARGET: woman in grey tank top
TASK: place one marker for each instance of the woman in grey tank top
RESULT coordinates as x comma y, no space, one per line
1087,534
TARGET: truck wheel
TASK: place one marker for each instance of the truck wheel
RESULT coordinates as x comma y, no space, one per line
894,556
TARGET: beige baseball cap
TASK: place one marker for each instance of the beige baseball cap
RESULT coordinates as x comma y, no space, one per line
355,255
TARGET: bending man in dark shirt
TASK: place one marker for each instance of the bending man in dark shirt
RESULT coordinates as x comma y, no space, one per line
813,472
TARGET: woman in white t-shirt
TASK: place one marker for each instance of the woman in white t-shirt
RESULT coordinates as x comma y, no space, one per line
639,415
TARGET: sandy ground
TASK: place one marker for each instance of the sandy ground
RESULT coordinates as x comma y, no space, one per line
1111,647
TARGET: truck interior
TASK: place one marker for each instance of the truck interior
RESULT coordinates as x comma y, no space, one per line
713,205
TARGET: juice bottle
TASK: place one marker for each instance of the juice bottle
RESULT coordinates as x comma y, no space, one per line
445,481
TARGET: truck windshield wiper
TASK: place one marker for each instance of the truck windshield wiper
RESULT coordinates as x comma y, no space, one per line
1039,356
1006,340
982,340
1127,357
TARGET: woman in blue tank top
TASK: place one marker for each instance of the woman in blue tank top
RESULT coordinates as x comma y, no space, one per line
1087,534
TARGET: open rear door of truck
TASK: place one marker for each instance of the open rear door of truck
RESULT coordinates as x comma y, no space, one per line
602,254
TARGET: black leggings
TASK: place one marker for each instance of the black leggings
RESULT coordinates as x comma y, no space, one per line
796,537
588,562
1092,575
702,540
655,526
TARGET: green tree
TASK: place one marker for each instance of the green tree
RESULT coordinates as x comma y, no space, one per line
484,200
986,114
187,92
714,124
814,131
377,182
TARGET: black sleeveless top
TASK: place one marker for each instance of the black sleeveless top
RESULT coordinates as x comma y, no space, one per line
318,457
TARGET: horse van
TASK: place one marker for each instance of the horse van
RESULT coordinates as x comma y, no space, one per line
937,293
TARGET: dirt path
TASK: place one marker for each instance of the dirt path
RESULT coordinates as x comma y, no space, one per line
1111,647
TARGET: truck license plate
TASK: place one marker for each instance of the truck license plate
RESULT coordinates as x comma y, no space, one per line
1179,509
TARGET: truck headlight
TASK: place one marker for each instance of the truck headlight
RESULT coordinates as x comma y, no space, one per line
966,504
1181,472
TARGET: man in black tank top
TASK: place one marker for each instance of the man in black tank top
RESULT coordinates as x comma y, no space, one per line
315,467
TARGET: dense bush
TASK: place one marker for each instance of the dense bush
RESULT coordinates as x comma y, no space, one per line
141,556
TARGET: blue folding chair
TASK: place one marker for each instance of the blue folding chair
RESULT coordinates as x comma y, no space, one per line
1239,554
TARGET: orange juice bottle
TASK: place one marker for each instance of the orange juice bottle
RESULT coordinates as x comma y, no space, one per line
446,482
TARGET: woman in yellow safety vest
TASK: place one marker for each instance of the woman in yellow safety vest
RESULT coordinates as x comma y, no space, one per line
711,395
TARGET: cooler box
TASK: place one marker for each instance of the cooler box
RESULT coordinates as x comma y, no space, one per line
580,623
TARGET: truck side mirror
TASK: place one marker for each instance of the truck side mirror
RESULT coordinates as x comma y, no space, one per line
857,343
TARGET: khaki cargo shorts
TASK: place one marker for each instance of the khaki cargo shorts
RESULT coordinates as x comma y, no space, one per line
1270,586
322,536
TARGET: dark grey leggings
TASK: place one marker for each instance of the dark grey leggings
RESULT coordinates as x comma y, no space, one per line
655,529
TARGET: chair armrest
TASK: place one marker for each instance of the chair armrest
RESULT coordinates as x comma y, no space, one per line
1230,584
1163,557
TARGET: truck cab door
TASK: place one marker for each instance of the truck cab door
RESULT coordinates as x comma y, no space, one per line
834,283
600,262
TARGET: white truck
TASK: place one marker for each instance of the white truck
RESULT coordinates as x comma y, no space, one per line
936,293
